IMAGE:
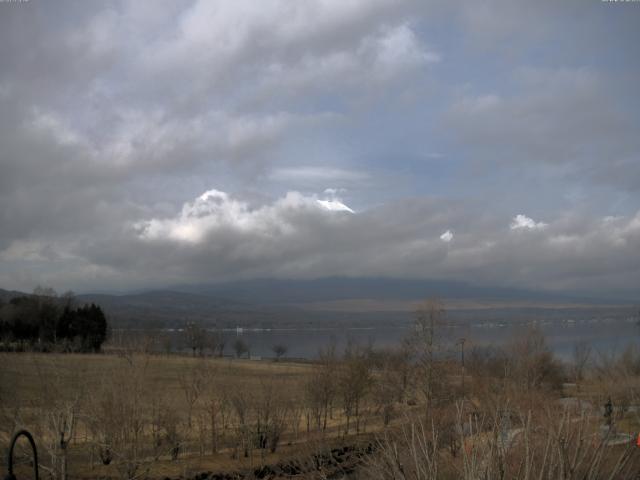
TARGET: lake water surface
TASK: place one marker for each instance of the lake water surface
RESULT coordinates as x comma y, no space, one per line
605,335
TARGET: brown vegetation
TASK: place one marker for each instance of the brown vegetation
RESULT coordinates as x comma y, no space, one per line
136,415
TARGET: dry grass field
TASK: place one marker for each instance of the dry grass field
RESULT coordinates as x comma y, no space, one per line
167,402
23,375
33,384
132,415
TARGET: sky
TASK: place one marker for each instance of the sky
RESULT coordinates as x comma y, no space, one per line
149,144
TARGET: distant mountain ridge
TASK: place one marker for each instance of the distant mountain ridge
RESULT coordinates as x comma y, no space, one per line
6,295
268,302
270,291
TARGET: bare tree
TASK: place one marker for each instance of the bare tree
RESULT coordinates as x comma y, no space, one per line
354,380
272,408
217,343
165,343
392,380
321,388
217,405
45,292
194,384
533,364
384,393
118,417
581,356
428,341
195,337
399,362
63,392
241,405
552,444
240,347
164,422
279,350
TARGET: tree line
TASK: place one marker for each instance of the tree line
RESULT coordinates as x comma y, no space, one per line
45,321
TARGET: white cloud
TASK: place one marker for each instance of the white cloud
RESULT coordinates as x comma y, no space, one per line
521,221
446,236
335,206
398,48
216,211
303,236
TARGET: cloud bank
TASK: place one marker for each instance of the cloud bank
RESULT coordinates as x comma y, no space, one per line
311,129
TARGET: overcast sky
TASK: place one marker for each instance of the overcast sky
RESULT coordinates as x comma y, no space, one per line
146,144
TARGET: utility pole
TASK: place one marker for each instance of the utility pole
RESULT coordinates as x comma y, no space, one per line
461,342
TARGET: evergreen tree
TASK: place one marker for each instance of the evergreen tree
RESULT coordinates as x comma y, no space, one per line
46,320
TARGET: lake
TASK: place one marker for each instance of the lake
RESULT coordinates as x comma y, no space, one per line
606,335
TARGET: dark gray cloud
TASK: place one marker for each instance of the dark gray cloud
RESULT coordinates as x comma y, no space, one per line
437,124
563,117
